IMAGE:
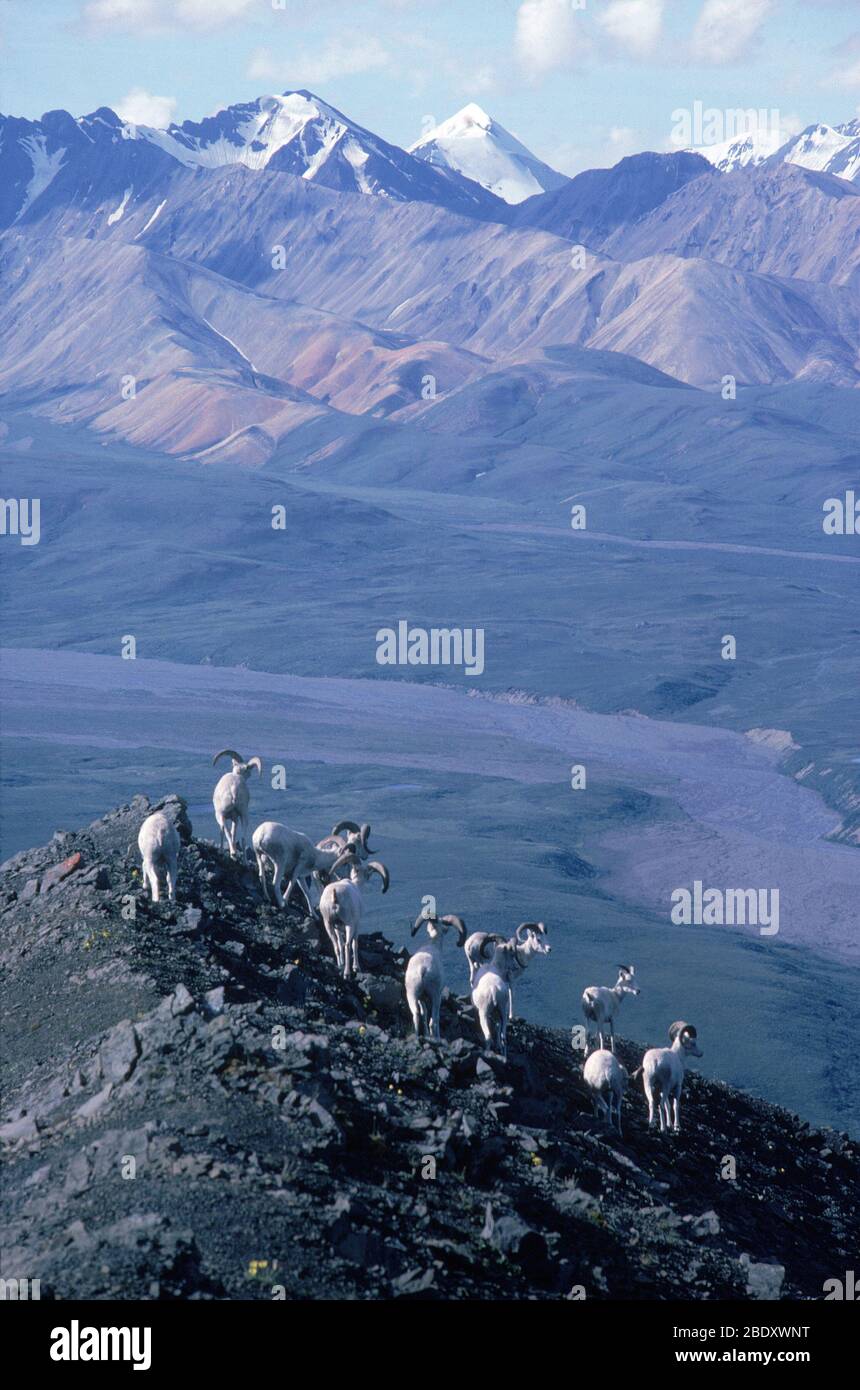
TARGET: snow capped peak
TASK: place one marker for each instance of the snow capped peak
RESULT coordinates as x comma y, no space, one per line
472,144
828,149
742,151
470,121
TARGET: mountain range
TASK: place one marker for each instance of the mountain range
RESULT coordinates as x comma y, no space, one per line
277,272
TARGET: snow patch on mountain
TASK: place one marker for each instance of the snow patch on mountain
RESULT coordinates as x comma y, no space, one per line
472,144
45,168
826,149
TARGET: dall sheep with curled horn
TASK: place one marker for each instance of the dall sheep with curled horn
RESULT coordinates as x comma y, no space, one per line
663,1075
341,905
294,856
231,799
491,992
355,835
526,938
425,973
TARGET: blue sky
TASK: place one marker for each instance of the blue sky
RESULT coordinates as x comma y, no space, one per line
581,82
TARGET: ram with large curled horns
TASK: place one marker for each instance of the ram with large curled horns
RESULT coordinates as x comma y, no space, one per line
527,943
290,855
231,799
341,905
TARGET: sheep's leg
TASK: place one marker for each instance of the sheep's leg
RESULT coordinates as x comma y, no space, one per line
277,875
230,832
510,1003
503,1034
289,891
355,954
611,1037
415,1010
306,895
649,1096
261,874
485,1027
332,934
434,1018
171,882
676,1101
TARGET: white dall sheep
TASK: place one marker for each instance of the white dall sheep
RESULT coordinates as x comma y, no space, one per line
231,799
528,943
600,1005
158,843
491,992
291,855
663,1075
425,973
607,1081
341,906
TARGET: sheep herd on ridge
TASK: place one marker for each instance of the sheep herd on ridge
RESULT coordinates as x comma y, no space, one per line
341,867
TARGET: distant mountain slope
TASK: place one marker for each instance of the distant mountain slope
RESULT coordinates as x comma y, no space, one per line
471,143
587,208
295,133
827,149
778,219
234,355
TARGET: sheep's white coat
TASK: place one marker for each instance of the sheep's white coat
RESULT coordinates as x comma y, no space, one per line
158,842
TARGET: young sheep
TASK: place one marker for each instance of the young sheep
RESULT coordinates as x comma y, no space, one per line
231,800
158,843
425,973
600,1005
663,1075
607,1081
292,855
341,906
528,945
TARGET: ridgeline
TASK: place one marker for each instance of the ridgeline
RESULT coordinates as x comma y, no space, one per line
197,1106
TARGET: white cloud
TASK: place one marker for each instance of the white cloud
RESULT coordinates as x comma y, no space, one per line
142,108
725,29
550,34
634,24
339,58
154,16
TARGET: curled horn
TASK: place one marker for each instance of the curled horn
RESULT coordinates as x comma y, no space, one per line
452,920
345,825
257,763
365,836
628,969
524,927
681,1027
382,871
421,919
348,857
491,940
228,753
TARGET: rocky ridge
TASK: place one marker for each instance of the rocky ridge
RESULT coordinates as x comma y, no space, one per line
196,1106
